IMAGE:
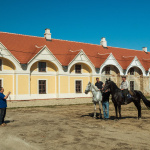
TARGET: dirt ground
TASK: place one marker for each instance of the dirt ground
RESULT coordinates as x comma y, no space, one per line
73,128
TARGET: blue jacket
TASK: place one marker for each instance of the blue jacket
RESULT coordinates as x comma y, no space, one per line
3,103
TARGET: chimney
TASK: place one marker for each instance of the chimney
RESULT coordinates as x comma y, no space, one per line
144,49
103,42
47,34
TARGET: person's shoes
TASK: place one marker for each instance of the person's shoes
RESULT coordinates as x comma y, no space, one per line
4,124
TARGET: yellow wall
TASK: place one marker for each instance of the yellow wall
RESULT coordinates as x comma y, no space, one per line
34,67
50,84
85,68
85,81
7,65
7,83
49,66
63,84
23,84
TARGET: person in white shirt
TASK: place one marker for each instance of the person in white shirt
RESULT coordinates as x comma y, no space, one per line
124,87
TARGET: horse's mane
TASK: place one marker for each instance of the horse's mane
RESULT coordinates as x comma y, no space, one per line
114,85
95,87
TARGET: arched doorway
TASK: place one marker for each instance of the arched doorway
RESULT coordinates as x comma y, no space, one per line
135,78
111,71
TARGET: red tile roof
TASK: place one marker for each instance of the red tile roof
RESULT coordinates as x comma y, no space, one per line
24,48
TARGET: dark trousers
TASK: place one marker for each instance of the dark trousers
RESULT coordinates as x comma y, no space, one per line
125,93
2,115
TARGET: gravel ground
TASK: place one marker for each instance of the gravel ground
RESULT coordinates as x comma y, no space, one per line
72,127
50,102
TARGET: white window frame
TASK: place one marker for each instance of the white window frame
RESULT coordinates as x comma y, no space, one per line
46,86
81,86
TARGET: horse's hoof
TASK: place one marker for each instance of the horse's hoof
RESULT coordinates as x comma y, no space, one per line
139,118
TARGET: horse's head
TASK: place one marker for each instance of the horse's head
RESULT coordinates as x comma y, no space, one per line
107,84
87,90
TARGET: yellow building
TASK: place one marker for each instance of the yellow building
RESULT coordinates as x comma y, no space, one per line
43,68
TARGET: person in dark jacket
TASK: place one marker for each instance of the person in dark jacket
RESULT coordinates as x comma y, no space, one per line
99,84
105,104
3,106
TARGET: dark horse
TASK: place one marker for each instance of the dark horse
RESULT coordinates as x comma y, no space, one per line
118,99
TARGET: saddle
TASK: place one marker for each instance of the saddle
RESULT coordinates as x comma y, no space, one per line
129,95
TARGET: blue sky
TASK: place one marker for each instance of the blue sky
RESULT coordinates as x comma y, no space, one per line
124,23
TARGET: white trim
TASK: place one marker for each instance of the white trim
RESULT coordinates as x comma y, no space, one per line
13,84
46,86
16,84
7,72
138,66
47,96
55,85
4,48
58,86
88,62
81,85
55,60
44,74
113,62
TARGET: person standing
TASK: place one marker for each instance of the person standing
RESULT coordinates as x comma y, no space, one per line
99,84
105,104
124,87
3,106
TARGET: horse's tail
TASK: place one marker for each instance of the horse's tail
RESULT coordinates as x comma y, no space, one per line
146,102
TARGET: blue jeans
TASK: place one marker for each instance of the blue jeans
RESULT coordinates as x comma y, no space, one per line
106,109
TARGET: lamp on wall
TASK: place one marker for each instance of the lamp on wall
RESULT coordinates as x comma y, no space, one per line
97,70
65,68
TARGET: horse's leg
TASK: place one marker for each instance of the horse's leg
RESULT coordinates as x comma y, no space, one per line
116,110
138,106
94,110
119,108
100,109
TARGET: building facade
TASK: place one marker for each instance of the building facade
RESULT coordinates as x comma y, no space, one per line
44,68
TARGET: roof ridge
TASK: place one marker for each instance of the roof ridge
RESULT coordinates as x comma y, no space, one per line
21,34
78,42
72,41
127,49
